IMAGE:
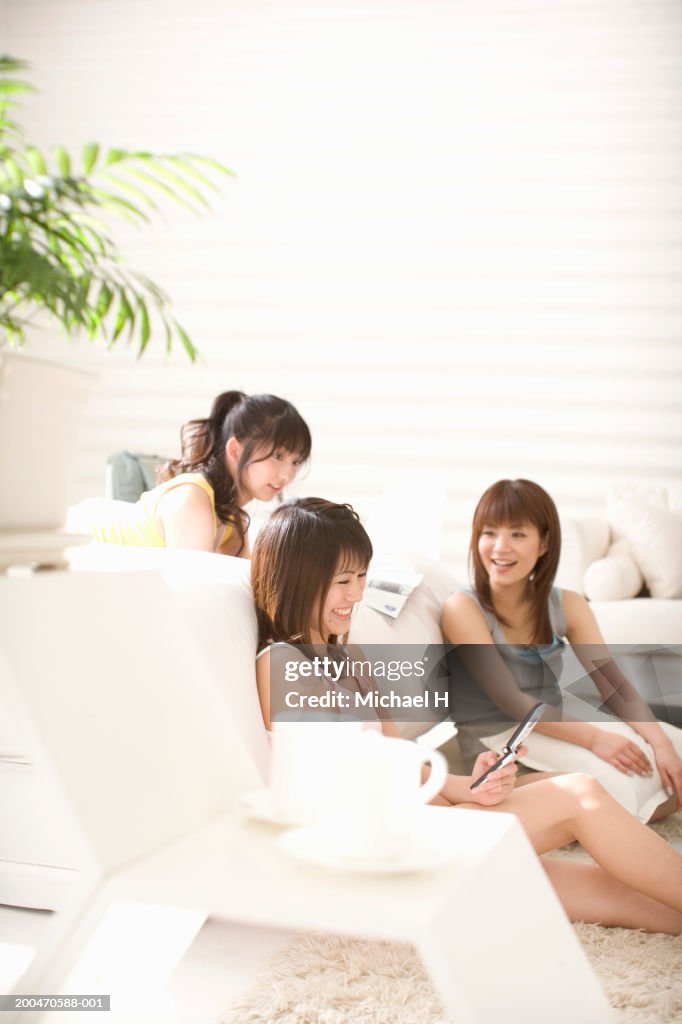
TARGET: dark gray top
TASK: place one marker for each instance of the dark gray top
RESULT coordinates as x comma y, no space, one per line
535,667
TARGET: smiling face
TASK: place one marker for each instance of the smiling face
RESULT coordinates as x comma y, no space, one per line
266,474
510,553
345,591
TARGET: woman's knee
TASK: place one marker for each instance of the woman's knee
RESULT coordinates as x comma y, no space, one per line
585,790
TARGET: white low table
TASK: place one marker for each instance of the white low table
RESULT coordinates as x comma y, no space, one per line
142,758
487,926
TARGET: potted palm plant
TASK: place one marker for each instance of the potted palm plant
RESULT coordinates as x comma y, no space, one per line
60,264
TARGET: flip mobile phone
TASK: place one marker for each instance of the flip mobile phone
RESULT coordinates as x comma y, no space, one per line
510,750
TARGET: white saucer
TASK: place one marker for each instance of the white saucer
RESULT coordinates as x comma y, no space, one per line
313,845
260,805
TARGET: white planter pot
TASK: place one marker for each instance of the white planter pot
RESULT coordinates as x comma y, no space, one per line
40,408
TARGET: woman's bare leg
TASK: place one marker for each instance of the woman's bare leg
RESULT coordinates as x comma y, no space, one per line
662,811
588,893
557,811
528,777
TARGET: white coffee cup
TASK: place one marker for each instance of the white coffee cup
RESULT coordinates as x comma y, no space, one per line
377,795
305,758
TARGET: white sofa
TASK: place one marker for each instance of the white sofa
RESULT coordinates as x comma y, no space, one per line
212,593
634,548
628,564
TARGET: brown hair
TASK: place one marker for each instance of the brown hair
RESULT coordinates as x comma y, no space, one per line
295,557
512,503
260,423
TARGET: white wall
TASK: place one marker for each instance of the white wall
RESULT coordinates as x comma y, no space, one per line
454,241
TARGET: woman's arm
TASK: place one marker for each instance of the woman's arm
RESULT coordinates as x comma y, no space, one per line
621,697
463,623
263,684
185,518
291,694
233,545
356,654
498,786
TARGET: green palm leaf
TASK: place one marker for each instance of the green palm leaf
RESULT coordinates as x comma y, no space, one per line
56,252
89,156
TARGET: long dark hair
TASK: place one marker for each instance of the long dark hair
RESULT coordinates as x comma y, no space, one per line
513,503
261,423
295,557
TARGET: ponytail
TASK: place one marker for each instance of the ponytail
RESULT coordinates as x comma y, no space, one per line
224,404
200,440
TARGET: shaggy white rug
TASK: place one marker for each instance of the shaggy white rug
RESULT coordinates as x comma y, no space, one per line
325,979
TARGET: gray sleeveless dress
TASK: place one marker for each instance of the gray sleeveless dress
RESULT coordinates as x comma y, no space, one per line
536,669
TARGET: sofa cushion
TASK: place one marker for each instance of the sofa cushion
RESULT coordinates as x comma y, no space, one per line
418,624
615,577
640,795
582,542
419,620
642,620
655,533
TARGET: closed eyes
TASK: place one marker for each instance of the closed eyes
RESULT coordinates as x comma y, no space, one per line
348,579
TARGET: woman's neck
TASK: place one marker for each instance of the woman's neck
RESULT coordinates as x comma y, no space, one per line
510,601
317,638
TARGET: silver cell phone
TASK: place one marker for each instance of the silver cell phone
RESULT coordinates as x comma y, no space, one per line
511,748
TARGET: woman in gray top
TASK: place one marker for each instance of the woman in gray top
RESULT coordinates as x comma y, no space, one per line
518,621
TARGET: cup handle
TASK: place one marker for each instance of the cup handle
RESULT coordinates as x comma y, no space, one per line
439,773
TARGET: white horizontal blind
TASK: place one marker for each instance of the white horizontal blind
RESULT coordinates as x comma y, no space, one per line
454,241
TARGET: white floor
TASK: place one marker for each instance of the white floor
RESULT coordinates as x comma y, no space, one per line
216,969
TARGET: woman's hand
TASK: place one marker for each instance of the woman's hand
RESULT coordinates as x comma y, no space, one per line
498,785
621,752
670,768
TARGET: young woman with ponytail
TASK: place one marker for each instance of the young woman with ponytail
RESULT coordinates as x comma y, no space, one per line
250,446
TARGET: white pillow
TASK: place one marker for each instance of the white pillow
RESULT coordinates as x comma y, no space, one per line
582,542
418,623
655,534
419,620
614,577
640,795
652,494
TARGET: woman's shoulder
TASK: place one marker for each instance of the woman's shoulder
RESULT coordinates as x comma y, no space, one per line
575,607
462,597
197,479
186,491
465,600
568,600
275,646
463,612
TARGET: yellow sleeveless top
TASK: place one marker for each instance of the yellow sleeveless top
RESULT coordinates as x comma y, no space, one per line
134,523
